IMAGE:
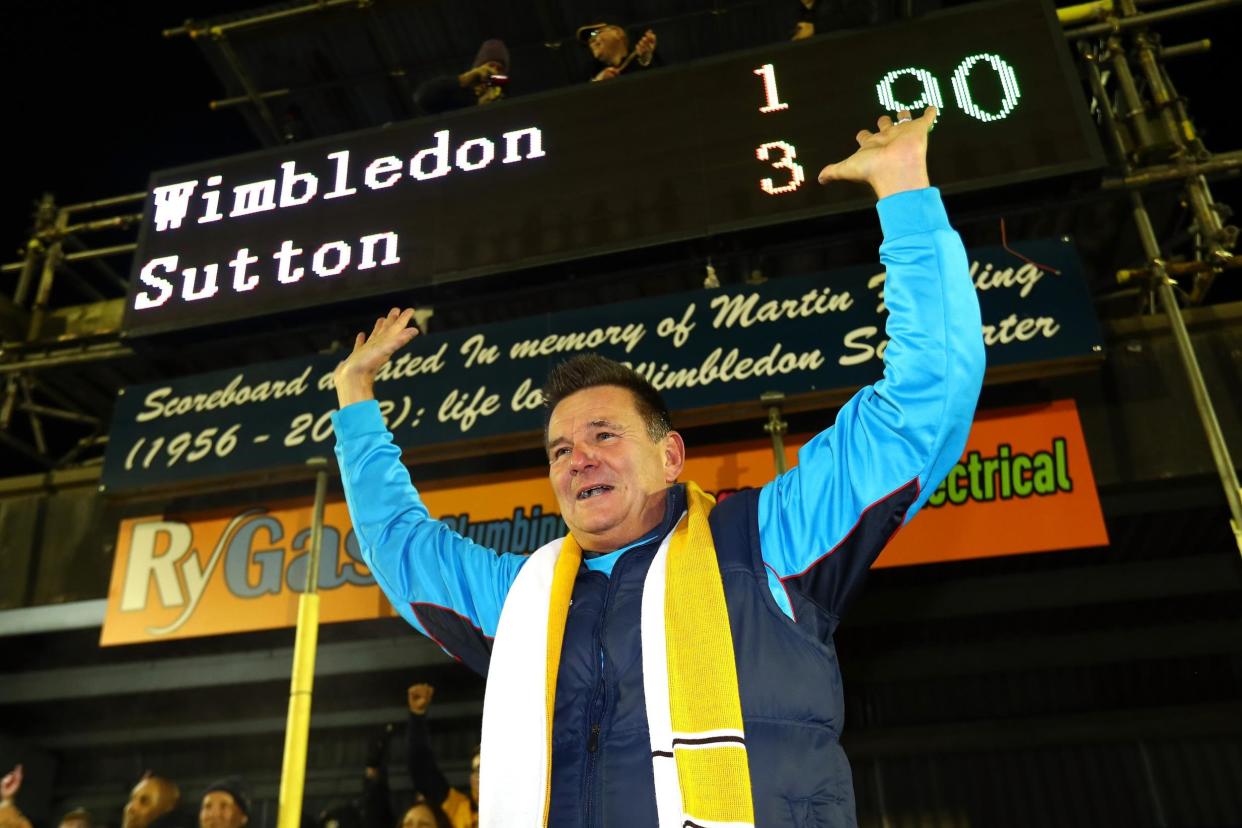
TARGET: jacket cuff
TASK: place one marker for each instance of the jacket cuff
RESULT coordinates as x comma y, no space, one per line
358,419
912,211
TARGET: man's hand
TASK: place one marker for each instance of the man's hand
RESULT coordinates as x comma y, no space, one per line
11,784
645,47
355,376
891,160
607,73
419,698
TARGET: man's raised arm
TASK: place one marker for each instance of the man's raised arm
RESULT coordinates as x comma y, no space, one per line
824,522
447,586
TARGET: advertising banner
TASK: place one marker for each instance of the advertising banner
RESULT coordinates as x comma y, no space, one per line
702,349
1024,484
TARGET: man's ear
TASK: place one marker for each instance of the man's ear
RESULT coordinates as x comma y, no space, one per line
674,456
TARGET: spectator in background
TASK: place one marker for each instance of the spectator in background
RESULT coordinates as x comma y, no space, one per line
482,84
424,815
77,818
10,815
226,804
154,800
374,808
610,46
821,16
425,773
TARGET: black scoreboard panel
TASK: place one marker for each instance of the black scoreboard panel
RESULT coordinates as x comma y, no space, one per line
710,147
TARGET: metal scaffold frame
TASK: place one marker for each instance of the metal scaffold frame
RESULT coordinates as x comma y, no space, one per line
1146,124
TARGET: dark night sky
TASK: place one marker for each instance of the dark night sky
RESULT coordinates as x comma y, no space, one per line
96,98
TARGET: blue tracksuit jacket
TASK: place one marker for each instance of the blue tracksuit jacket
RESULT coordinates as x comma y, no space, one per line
790,554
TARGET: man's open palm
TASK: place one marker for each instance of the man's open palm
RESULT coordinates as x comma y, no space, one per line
356,373
891,159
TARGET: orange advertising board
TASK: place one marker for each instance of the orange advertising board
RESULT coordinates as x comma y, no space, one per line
234,570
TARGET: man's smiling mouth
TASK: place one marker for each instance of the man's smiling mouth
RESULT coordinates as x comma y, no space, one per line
592,491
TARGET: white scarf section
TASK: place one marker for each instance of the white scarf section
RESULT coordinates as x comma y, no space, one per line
514,765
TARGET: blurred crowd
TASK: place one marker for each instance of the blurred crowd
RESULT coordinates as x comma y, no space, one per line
158,802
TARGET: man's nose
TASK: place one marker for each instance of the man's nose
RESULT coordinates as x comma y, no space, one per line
581,457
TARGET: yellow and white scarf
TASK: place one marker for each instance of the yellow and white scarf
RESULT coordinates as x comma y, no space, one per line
694,713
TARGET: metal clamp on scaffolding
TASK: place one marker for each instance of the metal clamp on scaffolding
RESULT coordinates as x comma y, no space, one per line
775,427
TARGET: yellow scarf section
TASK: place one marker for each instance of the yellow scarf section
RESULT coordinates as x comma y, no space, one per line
702,671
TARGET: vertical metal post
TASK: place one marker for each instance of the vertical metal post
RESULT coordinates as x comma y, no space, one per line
297,728
775,426
1198,387
51,260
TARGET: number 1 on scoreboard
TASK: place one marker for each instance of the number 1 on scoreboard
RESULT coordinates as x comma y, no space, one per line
768,72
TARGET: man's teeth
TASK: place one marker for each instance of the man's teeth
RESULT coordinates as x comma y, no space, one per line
592,492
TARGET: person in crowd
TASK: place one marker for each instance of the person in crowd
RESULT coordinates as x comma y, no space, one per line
424,815
425,773
154,803
822,16
610,46
10,815
225,804
374,808
483,83
77,818
670,661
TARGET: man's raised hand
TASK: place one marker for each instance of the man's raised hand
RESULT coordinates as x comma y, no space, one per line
355,375
892,159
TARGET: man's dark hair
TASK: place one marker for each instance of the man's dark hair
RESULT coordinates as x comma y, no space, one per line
590,370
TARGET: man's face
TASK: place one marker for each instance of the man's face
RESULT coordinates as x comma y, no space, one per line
609,45
419,816
76,822
151,797
608,474
220,811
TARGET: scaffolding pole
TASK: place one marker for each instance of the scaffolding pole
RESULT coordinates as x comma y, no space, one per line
297,727
1160,285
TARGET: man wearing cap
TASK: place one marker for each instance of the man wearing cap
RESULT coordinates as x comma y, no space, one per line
610,46
225,804
482,84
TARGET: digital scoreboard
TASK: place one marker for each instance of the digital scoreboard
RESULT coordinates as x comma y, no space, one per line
718,145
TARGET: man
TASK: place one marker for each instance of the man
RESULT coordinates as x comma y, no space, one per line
671,661
610,46
225,804
152,798
425,773
77,818
479,85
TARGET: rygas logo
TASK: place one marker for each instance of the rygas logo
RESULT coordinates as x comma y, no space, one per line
256,553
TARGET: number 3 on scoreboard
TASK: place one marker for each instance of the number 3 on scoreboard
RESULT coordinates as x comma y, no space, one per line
786,162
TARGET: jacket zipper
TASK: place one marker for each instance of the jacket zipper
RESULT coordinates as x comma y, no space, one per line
599,701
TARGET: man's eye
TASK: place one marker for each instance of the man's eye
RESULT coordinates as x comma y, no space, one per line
604,435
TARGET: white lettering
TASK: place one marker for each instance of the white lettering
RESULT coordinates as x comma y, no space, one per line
284,257
144,564
172,202
144,300
534,144
212,200
342,258
368,250
209,288
243,281
255,197
340,185
439,153
389,165
485,158
290,179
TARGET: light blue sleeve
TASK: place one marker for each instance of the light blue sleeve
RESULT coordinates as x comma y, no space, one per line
415,558
824,522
